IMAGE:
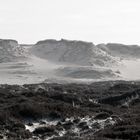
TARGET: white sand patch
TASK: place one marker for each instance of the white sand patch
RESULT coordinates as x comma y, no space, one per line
130,69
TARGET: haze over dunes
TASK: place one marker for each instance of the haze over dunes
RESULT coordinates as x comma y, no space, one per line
66,61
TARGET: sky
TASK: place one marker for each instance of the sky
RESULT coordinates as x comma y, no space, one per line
98,21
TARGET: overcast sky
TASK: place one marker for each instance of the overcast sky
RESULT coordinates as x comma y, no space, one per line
99,21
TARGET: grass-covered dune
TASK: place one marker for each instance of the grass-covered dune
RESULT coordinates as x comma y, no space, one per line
102,110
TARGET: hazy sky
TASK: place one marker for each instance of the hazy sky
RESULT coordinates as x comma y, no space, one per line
99,21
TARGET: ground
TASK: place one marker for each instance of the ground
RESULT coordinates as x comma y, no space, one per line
100,111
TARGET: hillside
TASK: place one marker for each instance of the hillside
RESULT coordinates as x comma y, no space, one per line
121,50
72,53
10,51
67,61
